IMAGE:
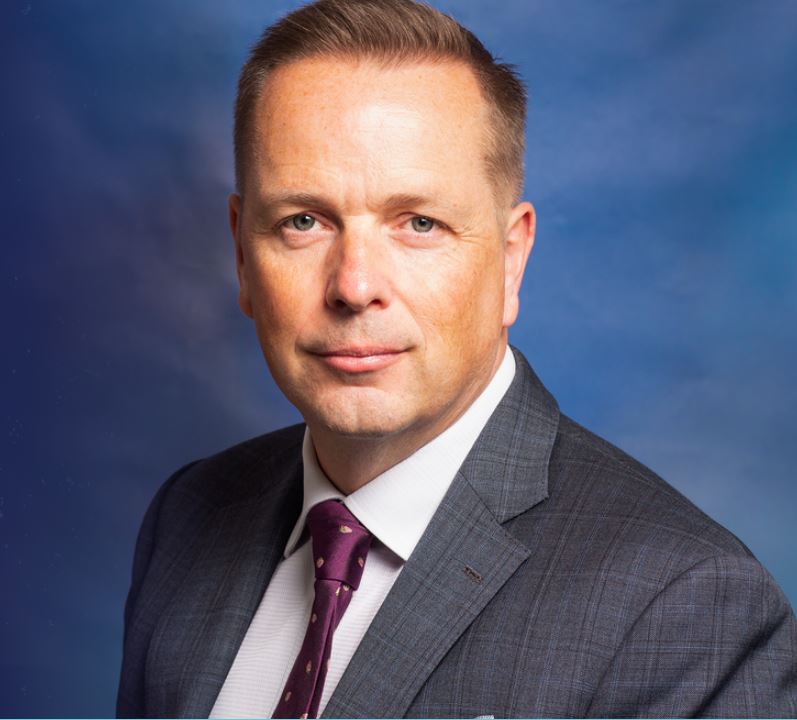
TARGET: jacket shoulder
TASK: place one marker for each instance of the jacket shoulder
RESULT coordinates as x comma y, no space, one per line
633,504
240,472
267,463
686,622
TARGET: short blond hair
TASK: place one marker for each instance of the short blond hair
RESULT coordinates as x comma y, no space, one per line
391,32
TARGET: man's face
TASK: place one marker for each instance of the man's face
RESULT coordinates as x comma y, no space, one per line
379,268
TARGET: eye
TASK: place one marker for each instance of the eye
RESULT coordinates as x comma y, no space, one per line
422,224
303,222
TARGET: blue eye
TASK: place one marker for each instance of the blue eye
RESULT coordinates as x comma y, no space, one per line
303,222
422,224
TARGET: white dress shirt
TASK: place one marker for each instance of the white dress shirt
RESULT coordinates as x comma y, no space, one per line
396,507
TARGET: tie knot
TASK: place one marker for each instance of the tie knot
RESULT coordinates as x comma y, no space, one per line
340,543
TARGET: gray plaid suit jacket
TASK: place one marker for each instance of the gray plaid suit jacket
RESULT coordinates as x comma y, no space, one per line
559,577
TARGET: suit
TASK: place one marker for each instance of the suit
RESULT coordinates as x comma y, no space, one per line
559,577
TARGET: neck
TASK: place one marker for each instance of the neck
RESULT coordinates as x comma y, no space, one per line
351,462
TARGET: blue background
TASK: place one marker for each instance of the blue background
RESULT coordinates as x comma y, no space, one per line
659,304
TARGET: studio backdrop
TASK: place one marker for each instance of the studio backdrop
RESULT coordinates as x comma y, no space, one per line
659,305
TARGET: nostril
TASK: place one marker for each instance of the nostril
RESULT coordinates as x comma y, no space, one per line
342,305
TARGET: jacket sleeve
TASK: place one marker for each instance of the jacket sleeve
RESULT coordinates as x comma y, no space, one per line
130,700
720,640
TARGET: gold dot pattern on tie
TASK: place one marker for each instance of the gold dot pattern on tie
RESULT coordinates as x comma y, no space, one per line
340,546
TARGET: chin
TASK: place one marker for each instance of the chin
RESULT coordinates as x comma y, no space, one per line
359,420
359,432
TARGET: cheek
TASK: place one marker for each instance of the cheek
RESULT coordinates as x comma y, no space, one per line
280,296
458,299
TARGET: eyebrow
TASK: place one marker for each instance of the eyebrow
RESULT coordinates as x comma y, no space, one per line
311,200
399,200
293,198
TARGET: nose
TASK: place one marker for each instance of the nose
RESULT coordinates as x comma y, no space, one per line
358,274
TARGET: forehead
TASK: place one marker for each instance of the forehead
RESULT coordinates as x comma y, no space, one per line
363,118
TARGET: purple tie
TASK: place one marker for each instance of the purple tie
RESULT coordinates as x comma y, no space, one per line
340,546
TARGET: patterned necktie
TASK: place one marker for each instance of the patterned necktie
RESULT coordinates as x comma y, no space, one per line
340,546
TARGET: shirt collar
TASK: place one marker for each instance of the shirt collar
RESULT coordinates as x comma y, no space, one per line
397,505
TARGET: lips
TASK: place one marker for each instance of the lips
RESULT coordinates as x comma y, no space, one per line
360,359
363,351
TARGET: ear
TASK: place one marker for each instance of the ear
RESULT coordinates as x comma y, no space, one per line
234,209
519,235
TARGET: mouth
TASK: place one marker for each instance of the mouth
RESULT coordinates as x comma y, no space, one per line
360,359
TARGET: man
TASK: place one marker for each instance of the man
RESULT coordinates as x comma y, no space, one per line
437,540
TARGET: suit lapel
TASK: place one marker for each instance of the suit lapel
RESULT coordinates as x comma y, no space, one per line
450,577
196,640
463,559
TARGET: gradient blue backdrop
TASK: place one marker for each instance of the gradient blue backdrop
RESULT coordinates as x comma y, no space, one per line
659,304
